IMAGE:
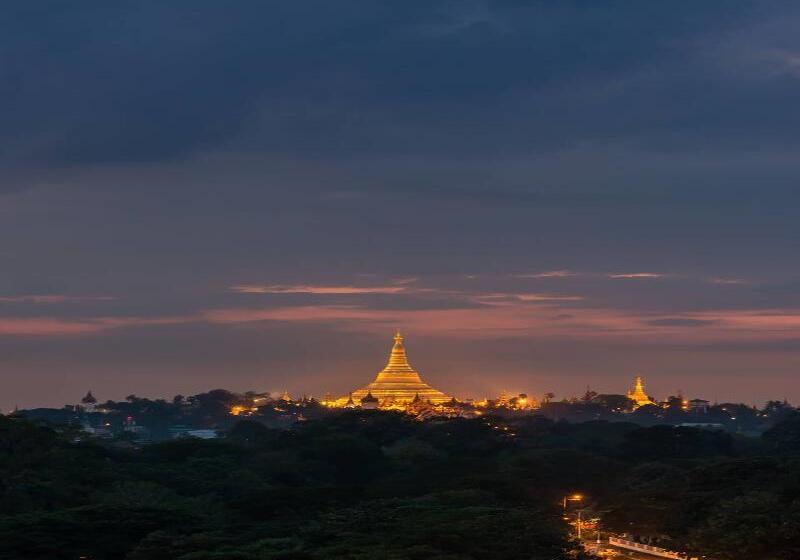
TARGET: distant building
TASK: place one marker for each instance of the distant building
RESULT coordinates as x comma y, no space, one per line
89,402
698,406
397,384
638,394
502,400
369,402
101,431
260,399
522,401
139,433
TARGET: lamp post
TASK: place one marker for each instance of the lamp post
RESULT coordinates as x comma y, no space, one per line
599,539
571,498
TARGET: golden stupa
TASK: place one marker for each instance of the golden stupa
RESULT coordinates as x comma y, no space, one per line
398,384
638,393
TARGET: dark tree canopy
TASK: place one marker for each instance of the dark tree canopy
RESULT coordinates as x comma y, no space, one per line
370,484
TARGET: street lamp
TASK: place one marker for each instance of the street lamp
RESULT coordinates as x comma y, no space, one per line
572,498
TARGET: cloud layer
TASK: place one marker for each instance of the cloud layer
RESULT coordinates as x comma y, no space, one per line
558,194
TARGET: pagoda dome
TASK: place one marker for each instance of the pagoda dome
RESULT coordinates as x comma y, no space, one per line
398,383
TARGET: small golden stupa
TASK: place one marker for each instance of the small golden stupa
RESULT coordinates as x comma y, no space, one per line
638,394
398,384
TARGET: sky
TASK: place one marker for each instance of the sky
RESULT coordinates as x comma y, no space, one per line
542,196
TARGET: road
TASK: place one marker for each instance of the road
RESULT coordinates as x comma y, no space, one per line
622,553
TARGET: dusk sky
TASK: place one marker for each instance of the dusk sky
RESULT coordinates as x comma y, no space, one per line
542,196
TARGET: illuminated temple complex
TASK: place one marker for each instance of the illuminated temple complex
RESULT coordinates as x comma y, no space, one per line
397,385
638,394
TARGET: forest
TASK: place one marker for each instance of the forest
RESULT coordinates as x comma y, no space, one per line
373,484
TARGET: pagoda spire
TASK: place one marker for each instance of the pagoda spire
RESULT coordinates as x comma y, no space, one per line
398,360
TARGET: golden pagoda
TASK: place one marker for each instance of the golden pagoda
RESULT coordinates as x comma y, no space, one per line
398,384
638,395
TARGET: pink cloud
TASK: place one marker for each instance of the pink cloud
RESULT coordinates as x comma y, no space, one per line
373,320
634,275
56,298
492,321
486,322
550,274
324,290
45,327
314,313
763,322
400,286
405,281
727,281
505,320
548,297
53,326
499,314
499,298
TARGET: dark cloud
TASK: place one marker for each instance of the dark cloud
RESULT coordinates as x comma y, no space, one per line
150,81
